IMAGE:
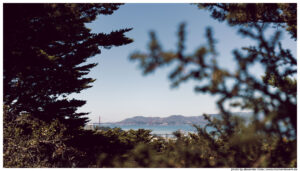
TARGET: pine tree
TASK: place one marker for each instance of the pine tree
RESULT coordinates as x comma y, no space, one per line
46,47
248,14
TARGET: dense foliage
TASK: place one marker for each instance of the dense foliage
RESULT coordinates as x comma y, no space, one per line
45,50
46,45
278,14
201,149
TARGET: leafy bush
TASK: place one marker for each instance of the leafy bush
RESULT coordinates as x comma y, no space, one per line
30,142
244,148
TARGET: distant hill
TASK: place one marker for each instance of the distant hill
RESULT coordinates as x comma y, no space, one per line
171,120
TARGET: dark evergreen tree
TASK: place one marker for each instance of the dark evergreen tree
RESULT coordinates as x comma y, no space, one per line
45,50
248,14
46,47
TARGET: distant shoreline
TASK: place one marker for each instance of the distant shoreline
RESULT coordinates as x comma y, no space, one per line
170,120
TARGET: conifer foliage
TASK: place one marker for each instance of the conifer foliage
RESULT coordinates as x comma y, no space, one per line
45,50
46,47
279,14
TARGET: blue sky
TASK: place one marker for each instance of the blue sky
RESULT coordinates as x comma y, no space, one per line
121,91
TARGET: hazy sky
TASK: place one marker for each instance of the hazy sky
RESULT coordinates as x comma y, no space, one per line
121,91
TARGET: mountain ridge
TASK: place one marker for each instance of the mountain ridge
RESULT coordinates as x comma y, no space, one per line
170,120
173,119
